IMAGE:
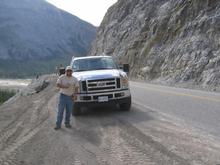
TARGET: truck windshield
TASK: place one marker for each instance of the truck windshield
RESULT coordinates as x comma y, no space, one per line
88,64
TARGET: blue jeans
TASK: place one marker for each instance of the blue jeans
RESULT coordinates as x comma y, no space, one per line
65,102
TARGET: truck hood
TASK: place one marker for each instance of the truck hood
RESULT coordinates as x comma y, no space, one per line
98,74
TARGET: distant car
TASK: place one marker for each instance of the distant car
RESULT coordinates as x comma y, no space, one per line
101,82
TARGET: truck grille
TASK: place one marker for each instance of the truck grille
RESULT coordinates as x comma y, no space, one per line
102,84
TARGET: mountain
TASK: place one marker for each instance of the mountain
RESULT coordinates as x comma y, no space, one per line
36,34
164,41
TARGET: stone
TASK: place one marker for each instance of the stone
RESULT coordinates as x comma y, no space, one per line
178,41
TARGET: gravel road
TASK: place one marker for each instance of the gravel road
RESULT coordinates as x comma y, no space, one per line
104,136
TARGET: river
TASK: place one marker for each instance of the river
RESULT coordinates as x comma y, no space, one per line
15,84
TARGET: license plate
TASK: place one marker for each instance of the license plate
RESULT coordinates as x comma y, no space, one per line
103,99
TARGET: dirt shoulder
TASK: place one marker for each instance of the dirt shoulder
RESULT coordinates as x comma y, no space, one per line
100,136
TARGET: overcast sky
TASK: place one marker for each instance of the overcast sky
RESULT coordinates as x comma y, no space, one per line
91,11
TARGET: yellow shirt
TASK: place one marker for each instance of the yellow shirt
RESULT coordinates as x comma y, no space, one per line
65,80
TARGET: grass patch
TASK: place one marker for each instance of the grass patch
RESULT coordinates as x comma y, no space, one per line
6,94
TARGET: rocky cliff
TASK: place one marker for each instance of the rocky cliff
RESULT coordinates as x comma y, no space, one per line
176,42
34,30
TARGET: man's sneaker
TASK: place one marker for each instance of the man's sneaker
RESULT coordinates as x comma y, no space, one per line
57,127
68,126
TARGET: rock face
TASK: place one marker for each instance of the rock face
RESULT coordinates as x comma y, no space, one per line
165,40
36,30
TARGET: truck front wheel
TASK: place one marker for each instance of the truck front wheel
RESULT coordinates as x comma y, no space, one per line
125,106
76,110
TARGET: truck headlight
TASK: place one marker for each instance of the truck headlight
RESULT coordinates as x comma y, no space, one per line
124,82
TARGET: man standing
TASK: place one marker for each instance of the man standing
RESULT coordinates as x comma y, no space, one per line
68,85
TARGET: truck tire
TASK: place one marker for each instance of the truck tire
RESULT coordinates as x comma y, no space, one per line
125,106
76,110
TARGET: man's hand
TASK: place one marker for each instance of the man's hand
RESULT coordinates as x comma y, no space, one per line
74,97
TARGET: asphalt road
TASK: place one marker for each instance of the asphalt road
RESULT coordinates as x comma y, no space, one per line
198,109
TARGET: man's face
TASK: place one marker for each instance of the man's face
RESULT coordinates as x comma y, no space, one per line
69,73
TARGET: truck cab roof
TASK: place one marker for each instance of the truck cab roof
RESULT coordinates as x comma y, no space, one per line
93,57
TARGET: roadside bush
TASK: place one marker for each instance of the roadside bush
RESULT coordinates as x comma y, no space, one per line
5,94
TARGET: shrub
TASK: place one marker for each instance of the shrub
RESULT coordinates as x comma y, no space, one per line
5,94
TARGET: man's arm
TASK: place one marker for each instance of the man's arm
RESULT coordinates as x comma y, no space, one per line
75,92
62,86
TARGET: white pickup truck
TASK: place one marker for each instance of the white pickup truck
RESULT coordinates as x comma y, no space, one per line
101,82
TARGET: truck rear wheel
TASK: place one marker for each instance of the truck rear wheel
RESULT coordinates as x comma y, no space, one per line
125,106
76,110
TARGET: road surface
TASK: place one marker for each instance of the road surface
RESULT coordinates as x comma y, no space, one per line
166,126
198,109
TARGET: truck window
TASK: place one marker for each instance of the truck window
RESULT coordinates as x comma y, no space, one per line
94,64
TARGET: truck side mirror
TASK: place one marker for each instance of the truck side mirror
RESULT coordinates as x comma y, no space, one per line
126,68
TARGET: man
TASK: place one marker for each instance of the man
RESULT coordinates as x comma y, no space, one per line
68,85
